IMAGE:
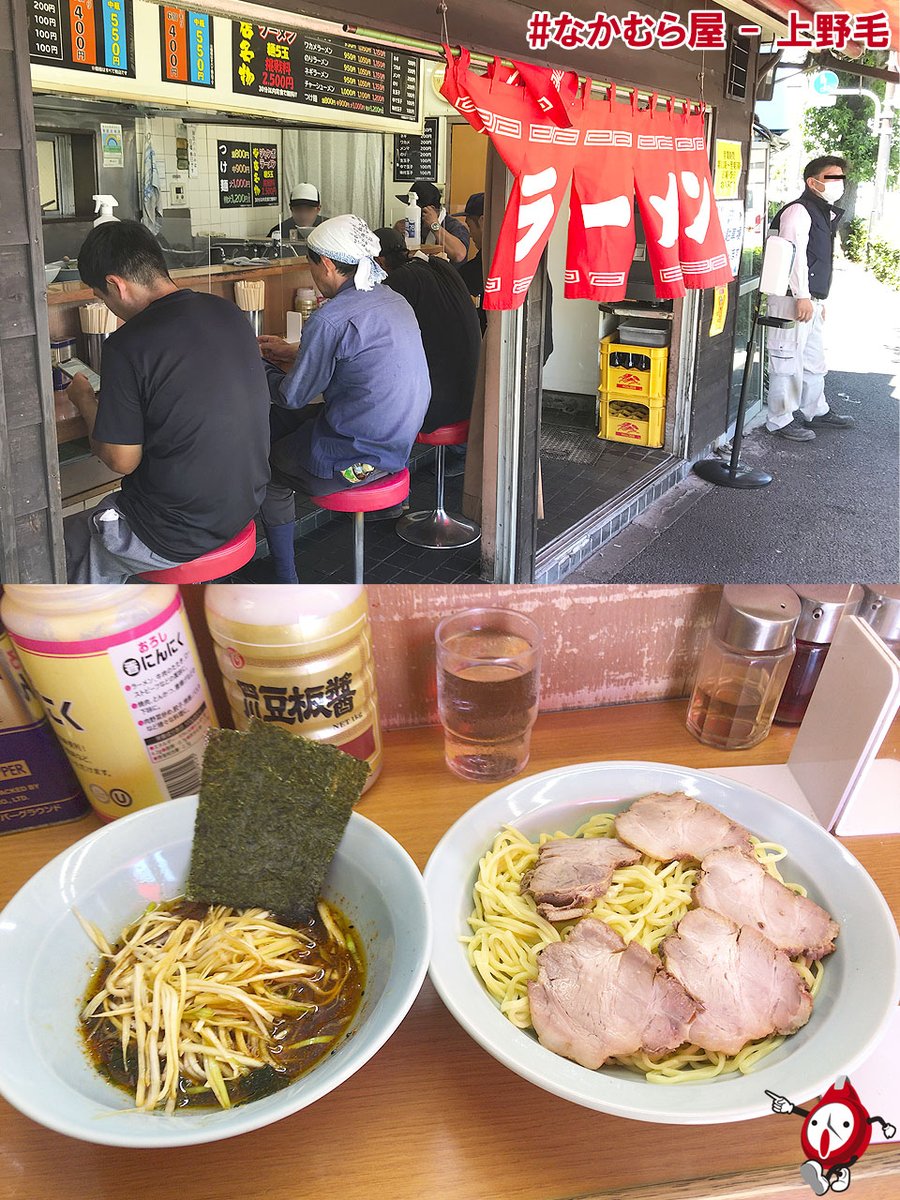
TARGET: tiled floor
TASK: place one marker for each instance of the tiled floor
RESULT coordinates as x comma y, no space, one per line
582,472
325,554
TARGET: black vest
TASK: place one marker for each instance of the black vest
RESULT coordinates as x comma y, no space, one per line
820,248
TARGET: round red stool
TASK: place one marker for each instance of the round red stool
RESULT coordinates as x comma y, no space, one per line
435,528
234,554
363,498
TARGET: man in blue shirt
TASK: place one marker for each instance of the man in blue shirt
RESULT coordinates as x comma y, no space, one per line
362,353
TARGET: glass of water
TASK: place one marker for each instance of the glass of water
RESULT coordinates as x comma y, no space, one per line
488,686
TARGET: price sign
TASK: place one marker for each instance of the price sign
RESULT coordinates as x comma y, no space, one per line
186,47
235,175
82,35
264,167
416,157
329,72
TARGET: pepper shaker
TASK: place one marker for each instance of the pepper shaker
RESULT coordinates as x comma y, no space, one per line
880,608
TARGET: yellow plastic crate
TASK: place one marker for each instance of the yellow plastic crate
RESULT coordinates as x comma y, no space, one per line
630,381
636,422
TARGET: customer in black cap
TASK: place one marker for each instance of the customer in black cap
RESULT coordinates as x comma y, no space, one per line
438,228
472,271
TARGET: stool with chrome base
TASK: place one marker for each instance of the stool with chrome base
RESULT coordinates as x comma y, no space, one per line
435,528
218,563
363,498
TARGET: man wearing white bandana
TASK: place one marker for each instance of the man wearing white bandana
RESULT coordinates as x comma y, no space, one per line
362,352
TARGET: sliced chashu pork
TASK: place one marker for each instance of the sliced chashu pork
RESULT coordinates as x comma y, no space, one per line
676,826
744,986
741,888
595,997
571,873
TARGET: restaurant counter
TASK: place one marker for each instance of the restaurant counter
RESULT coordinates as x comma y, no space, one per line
433,1116
282,277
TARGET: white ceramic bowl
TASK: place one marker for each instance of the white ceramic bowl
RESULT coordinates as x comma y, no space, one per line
856,1000
110,877
51,270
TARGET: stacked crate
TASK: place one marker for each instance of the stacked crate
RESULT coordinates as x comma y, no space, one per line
632,399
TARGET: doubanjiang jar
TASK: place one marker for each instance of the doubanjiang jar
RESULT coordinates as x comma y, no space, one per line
117,673
821,608
880,608
300,655
744,667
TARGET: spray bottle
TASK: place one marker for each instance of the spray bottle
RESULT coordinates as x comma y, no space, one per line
104,205
412,218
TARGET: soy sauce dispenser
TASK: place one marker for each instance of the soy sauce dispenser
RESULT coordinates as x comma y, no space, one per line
744,666
821,607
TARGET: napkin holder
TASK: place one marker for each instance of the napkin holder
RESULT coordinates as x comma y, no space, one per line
832,774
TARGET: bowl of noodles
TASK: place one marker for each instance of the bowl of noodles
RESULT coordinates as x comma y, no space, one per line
361,960
488,937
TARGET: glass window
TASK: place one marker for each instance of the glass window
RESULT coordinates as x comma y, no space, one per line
57,193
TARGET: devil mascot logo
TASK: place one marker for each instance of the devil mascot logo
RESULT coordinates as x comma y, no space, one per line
835,1134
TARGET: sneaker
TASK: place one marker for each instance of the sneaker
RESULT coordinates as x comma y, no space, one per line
830,420
811,1174
795,432
387,514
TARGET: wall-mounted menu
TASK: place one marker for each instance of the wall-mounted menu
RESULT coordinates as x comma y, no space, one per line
330,72
264,173
186,47
235,179
416,157
84,35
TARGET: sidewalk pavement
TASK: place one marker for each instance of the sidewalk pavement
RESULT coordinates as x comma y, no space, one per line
831,514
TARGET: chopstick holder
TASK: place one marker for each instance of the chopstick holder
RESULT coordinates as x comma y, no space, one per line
832,774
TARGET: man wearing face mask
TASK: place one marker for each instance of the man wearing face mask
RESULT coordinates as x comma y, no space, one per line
797,369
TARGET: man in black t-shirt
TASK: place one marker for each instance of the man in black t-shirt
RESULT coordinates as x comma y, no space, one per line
183,415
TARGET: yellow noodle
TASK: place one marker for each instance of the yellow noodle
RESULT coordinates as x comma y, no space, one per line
644,903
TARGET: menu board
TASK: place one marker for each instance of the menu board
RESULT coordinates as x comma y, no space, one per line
330,72
186,47
416,157
235,181
82,35
264,168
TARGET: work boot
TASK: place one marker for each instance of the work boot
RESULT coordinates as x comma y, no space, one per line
795,432
830,420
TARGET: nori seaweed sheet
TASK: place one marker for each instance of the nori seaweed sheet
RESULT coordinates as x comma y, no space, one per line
273,808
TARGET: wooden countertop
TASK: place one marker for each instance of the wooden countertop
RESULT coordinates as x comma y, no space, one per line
433,1116
71,291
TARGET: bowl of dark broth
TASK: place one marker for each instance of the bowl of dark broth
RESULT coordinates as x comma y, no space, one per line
71,1061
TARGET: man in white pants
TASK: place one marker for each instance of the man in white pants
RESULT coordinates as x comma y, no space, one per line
797,368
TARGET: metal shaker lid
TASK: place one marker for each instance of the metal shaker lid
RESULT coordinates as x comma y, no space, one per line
757,618
881,609
821,607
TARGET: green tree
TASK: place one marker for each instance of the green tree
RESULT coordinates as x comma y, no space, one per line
844,129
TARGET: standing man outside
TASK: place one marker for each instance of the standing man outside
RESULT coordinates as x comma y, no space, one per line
438,227
362,352
797,368
306,212
182,414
